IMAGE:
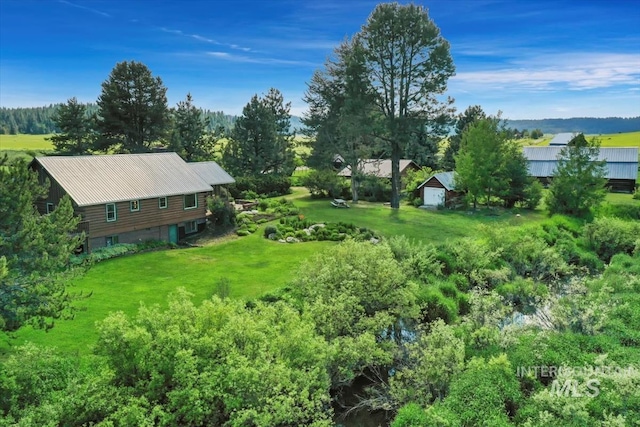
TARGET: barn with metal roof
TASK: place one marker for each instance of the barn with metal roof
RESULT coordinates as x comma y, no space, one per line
621,164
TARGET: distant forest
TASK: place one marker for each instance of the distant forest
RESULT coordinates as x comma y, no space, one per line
586,125
39,120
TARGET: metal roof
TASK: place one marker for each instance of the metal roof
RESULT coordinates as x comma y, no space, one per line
93,180
212,173
377,167
562,138
447,179
541,168
610,154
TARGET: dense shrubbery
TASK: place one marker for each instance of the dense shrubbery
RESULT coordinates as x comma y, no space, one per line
108,252
304,230
326,183
609,236
374,189
267,185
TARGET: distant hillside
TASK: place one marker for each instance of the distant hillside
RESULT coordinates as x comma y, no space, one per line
587,125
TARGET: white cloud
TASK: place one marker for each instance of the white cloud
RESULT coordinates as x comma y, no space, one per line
573,71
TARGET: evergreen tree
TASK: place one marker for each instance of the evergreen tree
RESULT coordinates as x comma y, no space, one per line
77,136
579,179
261,141
34,250
342,112
408,64
190,137
133,112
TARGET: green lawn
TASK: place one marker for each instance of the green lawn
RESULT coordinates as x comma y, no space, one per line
426,225
252,264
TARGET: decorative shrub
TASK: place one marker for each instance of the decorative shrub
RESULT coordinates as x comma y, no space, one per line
325,183
223,213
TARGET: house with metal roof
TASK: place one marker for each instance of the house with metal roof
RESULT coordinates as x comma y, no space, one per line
129,198
212,173
621,165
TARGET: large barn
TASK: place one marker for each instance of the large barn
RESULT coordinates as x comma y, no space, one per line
621,166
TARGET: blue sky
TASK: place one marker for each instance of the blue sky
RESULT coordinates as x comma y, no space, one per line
529,59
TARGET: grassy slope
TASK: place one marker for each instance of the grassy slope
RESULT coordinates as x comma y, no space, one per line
252,264
629,139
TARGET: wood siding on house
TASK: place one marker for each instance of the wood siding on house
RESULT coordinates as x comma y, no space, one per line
149,215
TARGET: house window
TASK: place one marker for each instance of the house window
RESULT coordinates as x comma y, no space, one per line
111,212
111,240
190,201
190,227
162,202
49,208
134,205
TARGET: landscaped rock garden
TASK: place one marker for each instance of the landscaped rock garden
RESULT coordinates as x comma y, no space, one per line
298,229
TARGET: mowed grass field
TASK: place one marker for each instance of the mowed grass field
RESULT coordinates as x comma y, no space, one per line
253,266
628,139
25,142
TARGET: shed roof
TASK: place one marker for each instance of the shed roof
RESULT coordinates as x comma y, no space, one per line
93,180
212,173
447,179
378,167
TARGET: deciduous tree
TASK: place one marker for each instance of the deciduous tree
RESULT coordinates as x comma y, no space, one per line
579,179
471,115
133,112
408,64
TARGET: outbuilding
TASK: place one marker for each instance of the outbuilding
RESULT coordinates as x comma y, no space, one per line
439,190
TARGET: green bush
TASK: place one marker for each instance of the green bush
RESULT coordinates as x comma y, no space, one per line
243,232
270,229
609,236
532,195
269,185
325,183
222,212
410,415
435,305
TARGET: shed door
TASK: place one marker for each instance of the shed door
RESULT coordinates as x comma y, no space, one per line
433,196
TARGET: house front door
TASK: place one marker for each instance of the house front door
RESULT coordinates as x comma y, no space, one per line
173,233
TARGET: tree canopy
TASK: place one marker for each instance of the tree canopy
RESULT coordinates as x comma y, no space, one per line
409,64
579,179
261,141
34,250
133,111
190,136
77,129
